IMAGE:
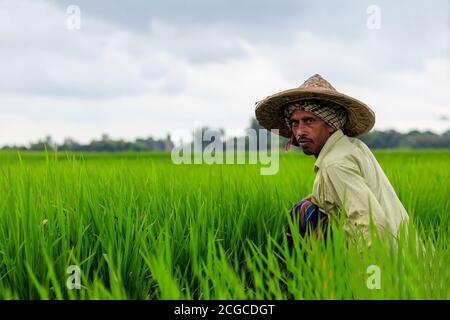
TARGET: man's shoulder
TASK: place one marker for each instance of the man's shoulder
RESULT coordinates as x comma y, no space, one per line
348,152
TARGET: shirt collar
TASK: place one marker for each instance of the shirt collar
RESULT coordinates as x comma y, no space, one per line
338,134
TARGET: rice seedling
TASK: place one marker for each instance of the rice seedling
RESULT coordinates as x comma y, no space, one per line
136,226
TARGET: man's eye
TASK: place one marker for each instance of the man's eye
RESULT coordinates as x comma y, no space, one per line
309,120
294,124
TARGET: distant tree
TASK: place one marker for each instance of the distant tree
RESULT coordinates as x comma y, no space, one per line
168,144
69,144
375,140
199,135
46,144
382,139
254,124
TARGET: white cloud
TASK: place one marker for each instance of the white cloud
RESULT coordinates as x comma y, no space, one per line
106,79
411,99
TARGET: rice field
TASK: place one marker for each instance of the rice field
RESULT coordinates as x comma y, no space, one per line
136,226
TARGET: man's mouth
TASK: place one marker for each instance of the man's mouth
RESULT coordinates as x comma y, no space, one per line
303,142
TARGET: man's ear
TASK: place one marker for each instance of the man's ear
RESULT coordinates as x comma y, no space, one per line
330,129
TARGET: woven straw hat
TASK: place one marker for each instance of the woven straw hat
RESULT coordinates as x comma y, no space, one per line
270,111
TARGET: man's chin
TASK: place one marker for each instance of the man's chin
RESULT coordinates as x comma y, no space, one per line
308,152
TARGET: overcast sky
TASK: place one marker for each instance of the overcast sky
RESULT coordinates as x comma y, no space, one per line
136,68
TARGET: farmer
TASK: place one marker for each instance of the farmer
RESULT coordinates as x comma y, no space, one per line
325,123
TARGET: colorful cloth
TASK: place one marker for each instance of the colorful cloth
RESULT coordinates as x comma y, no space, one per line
309,218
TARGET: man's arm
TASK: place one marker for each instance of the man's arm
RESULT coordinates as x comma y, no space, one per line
348,190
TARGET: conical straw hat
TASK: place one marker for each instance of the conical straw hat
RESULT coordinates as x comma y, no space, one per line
270,111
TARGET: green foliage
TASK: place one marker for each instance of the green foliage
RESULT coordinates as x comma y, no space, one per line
140,227
105,144
413,139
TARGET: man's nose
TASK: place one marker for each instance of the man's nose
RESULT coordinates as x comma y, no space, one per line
300,130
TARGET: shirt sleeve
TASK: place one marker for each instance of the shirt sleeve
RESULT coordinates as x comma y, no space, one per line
350,192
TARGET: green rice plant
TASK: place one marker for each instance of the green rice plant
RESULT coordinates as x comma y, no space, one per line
139,227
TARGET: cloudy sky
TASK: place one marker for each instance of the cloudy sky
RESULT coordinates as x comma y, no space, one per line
137,68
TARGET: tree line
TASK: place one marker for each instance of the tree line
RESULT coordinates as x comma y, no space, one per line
375,139
105,144
391,139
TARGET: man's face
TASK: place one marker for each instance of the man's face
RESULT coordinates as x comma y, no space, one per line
310,131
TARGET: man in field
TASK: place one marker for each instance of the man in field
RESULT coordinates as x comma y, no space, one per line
325,123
